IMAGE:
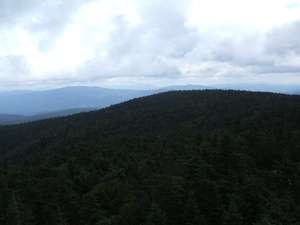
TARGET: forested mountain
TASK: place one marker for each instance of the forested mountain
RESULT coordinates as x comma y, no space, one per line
24,106
180,157
28,103
37,102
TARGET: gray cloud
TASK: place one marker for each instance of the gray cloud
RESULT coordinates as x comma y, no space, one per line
164,46
159,46
13,67
284,39
146,49
48,18
161,32
14,63
248,52
11,11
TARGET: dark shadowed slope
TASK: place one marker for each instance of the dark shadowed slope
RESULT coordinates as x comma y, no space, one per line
156,113
185,157
36,105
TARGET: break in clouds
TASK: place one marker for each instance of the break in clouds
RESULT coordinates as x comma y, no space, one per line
111,42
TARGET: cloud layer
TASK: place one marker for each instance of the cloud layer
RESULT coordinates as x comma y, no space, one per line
114,42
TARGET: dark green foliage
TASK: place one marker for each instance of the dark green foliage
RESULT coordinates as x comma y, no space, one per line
233,211
187,157
156,216
191,214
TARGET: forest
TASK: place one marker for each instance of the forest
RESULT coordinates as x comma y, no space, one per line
209,157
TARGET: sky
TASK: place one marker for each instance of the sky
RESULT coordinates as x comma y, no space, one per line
146,43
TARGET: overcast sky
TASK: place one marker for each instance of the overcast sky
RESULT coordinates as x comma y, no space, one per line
119,43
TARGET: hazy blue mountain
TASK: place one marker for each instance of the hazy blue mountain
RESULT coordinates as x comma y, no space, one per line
186,87
30,103
296,92
17,92
23,106
275,88
6,119
37,102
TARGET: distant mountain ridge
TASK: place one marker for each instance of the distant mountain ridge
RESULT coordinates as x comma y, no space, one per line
275,88
186,87
6,119
23,106
37,102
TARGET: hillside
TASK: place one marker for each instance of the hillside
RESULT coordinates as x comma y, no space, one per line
25,106
37,102
180,157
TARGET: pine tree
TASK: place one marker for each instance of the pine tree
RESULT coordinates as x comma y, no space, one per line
156,216
232,215
191,214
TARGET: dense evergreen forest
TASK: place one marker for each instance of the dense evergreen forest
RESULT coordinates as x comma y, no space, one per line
176,158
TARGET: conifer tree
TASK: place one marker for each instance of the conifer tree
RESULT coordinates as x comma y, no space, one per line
156,216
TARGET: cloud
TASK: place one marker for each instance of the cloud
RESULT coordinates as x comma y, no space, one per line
234,51
13,68
12,11
283,40
72,41
48,18
15,64
146,48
